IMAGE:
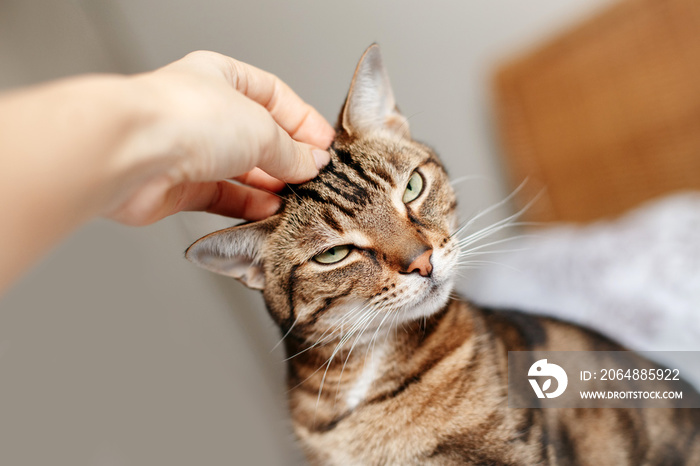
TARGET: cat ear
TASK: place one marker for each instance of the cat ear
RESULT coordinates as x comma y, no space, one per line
370,104
235,252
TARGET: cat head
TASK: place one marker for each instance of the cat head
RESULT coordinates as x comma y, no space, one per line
368,240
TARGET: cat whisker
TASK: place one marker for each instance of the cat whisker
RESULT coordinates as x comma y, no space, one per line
374,314
338,326
487,232
405,128
465,256
477,249
508,222
376,332
327,364
331,331
285,335
496,251
302,200
472,264
392,325
347,317
362,308
240,183
381,322
491,208
352,318
372,343
367,307
339,347
364,311
480,262
462,179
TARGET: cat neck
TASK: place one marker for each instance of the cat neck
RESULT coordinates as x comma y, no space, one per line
326,381
350,350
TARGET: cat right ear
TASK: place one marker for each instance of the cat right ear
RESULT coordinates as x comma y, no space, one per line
370,105
235,252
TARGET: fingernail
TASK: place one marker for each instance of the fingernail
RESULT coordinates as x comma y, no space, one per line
321,157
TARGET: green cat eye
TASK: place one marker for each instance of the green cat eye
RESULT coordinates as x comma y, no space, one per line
413,188
333,255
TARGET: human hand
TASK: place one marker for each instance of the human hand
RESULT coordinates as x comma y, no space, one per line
209,118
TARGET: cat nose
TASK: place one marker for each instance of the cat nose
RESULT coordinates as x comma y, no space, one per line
421,264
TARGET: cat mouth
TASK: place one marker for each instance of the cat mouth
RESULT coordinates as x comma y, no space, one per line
430,300
436,288
433,287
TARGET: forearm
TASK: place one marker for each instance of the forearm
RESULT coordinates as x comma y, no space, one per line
62,158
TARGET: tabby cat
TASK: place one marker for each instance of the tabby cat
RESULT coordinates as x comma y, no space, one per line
385,366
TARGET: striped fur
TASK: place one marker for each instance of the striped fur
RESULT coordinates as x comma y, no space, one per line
383,366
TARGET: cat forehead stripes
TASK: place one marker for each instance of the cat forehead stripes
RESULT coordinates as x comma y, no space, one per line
362,175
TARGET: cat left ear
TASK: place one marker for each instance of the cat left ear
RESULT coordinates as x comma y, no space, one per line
235,252
370,104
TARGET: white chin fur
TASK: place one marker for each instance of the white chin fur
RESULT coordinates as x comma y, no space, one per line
429,304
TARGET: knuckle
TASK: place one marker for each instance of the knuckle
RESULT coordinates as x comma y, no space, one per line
217,197
248,205
198,55
134,215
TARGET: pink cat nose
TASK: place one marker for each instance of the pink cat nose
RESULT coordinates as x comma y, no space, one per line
422,264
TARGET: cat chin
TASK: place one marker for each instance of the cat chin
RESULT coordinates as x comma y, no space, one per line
430,302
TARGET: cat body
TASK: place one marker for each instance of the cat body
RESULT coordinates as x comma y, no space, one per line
384,367
435,393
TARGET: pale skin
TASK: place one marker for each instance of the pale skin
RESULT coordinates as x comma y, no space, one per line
139,148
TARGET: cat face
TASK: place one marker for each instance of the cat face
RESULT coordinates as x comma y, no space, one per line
366,243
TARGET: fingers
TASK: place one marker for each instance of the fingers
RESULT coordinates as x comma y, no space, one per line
156,201
261,180
258,141
289,160
228,199
265,117
299,119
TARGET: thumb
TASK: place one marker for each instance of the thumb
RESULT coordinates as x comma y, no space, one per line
290,160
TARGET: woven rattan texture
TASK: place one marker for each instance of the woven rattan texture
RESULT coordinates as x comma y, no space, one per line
606,115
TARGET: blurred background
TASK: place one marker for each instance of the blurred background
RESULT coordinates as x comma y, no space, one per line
114,350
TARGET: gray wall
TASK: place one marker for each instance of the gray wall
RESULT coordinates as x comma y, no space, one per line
116,351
